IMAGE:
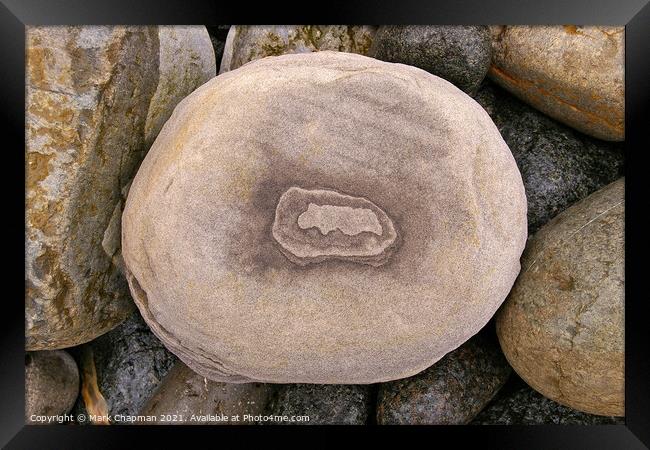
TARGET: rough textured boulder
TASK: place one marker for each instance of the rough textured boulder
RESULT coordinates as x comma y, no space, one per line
51,384
190,398
559,165
93,93
250,42
128,364
574,74
518,404
324,404
562,325
451,392
459,54
215,284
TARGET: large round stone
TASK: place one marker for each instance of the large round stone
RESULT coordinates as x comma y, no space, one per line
574,74
323,218
96,97
562,325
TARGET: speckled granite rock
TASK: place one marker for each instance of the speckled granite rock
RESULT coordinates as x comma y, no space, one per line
129,363
192,399
93,94
561,327
574,74
450,392
337,404
51,384
518,404
459,54
559,166
210,273
250,42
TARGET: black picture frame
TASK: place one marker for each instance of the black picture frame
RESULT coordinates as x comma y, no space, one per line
633,14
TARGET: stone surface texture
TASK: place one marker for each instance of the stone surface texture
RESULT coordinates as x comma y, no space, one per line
559,165
518,404
187,60
561,327
89,95
186,393
129,364
250,42
324,404
451,392
574,74
51,383
208,275
459,54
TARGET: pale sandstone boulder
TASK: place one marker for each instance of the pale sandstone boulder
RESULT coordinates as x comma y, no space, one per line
373,148
562,326
246,43
93,100
572,73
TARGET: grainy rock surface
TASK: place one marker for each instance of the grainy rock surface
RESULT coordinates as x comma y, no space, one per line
450,392
559,166
518,404
93,93
88,93
323,404
574,74
184,393
51,383
212,282
249,42
561,327
129,363
459,54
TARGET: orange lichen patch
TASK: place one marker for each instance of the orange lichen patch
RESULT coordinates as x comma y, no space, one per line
38,168
93,399
36,63
535,89
44,107
572,29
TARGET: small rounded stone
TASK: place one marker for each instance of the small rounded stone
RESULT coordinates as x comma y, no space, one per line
51,383
561,327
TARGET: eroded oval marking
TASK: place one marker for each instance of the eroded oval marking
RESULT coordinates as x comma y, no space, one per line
350,221
316,225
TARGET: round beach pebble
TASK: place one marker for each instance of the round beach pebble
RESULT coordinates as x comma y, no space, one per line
451,392
320,404
323,218
459,54
51,383
575,74
561,328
